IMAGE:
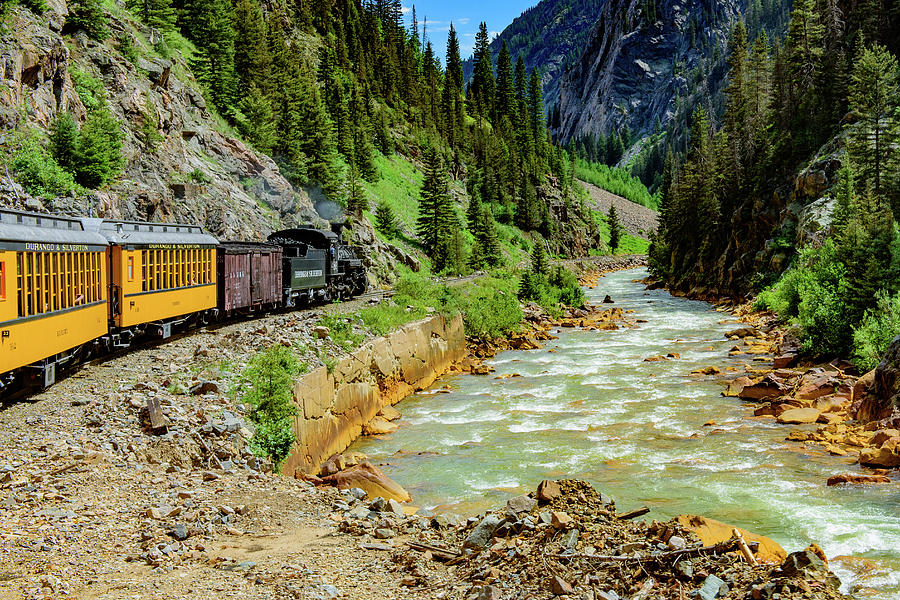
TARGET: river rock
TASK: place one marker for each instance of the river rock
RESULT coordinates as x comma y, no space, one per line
735,387
879,457
818,387
768,388
857,479
798,416
370,479
712,532
521,504
548,490
480,537
389,413
560,520
379,426
806,564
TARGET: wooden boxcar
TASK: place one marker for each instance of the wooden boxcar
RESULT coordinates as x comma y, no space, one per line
249,276
161,274
53,291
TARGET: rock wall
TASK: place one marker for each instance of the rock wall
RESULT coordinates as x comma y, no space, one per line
241,194
333,407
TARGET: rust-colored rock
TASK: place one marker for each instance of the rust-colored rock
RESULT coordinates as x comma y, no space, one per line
857,479
735,387
548,490
711,532
768,388
799,416
879,457
369,478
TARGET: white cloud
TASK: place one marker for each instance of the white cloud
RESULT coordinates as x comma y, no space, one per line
405,9
465,20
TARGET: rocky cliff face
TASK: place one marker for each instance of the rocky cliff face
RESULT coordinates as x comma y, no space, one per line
548,36
193,171
638,67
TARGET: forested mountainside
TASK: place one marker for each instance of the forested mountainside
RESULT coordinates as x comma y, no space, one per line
646,67
548,36
806,158
246,115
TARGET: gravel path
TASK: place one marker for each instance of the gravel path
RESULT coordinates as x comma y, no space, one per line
636,219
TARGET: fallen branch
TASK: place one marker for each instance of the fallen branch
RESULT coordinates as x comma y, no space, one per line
727,546
742,546
433,549
633,514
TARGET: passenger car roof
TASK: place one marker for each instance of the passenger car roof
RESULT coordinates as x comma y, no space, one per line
18,227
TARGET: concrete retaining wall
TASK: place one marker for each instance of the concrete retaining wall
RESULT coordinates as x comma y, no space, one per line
333,407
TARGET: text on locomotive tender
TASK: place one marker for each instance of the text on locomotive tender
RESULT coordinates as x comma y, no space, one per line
305,274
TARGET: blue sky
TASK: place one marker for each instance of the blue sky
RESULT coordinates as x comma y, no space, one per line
465,15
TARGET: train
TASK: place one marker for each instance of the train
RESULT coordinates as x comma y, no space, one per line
74,288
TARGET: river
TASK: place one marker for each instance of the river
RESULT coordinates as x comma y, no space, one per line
595,410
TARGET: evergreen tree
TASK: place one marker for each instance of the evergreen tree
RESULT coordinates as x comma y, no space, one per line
874,97
436,223
483,88
261,121
614,228
64,140
490,243
385,221
539,257
357,199
99,154
252,59
155,13
213,64
88,16
505,104
536,115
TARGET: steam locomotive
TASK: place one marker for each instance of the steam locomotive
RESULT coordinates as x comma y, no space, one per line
73,288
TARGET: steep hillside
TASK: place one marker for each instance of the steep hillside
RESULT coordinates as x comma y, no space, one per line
640,64
549,36
181,163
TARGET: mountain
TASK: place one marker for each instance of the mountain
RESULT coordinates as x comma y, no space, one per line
549,36
641,63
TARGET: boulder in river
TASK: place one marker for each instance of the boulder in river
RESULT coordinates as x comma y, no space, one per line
857,479
769,387
799,416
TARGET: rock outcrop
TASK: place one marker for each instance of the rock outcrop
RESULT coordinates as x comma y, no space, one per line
634,70
335,405
192,170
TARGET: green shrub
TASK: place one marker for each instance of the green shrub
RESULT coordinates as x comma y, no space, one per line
876,332
64,140
385,317
127,48
490,313
89,89
270,375
99,156
89,16
341,331
38,172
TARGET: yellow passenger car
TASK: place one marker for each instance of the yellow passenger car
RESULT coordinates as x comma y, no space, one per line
53,290
161,274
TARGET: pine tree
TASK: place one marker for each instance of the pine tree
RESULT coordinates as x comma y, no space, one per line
252,59
536,115
155,13
490,243
505,102
539,257
88,16
213,64
483,88
357,199
385,221
64,141
261,121
737,115
874,97
614,228
99,154
435,224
